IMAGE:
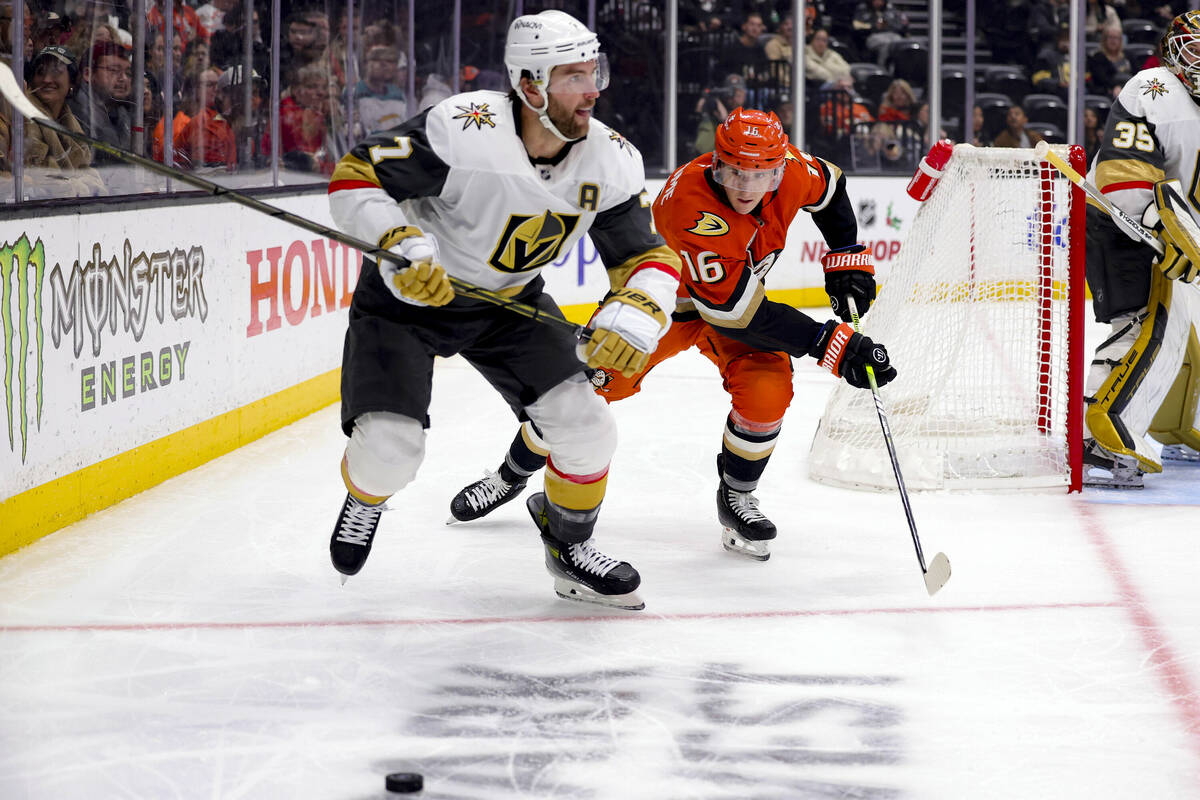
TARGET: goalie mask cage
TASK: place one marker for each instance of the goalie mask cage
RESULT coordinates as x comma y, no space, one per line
982,315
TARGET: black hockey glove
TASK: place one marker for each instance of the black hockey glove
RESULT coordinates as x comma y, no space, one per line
849,272
848,354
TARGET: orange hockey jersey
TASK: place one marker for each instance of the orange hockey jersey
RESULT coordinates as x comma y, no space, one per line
727,255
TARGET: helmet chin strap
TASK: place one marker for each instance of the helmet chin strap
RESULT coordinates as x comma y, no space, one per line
544,118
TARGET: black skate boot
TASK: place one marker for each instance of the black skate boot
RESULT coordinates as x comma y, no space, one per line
581,572
747,531
1106,470
483,496
351,541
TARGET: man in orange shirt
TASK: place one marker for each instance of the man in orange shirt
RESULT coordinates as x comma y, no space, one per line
727,214
207,140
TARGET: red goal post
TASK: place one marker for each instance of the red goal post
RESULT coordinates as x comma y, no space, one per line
982,314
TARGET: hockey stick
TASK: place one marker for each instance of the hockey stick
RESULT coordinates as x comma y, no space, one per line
1123,220
13,94
938,571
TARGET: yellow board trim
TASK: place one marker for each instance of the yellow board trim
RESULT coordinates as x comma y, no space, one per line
27,517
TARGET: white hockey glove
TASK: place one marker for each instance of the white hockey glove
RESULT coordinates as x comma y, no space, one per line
424,281
1172,223
626,330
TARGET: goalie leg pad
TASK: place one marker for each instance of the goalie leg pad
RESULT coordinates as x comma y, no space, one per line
1177,421
382,455
1141,361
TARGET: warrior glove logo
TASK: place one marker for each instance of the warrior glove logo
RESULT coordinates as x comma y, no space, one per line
529,243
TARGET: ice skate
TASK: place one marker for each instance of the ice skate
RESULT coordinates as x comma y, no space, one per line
1180,454
747,531
352,535
482,497
581,572
1105,470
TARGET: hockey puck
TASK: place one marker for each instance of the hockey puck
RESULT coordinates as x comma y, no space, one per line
405,782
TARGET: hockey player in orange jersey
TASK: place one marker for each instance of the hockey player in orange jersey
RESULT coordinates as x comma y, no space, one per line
727,214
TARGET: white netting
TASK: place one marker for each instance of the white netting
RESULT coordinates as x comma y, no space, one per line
974,317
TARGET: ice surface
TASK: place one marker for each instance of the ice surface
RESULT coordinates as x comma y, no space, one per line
194,642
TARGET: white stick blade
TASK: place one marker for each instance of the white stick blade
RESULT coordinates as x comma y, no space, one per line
937,574
13,94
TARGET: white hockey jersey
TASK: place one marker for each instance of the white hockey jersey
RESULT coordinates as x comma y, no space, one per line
460,173
1152,134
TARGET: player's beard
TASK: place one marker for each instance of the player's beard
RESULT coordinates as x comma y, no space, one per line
565,120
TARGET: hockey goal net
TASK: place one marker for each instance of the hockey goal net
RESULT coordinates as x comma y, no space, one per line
982,315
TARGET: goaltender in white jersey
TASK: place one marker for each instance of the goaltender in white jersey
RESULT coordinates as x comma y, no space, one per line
1143,380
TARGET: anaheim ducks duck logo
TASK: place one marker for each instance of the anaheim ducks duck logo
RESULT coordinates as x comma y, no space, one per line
475,114
528,242
709,224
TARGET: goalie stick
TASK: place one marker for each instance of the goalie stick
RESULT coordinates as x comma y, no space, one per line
938,571
17,99
1123,220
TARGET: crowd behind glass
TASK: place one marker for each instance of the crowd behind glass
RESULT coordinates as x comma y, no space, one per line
212,95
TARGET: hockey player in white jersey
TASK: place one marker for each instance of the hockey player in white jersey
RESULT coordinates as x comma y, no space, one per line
489,188
1143,380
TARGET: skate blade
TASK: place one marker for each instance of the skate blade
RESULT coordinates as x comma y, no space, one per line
569,590
937,574
1179,454
344,579
759,551
1099,478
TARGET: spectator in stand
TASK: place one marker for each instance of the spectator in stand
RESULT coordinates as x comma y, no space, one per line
57,165
206,140
1093,132
744,55
250,125
50,30
779,46
156,57
1052,69
379,101
305,43
921,123
878,25
821,63
841,111
103,104
899,102
196,57
1099,15
227,45
713,107
303,115
778,51
979,136
1109,61
435,90
211,14
187,24
186,106
6,26
1048,19
1015,134
85,33
152,111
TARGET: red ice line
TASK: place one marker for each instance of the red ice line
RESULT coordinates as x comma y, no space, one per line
640,617
1179,686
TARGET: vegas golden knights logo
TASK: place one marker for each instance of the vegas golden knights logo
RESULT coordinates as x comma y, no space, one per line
531,242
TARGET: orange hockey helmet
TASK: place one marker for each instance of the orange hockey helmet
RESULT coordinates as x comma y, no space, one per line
1180,48
750,151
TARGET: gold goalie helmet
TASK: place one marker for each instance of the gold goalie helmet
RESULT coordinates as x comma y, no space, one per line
1180,48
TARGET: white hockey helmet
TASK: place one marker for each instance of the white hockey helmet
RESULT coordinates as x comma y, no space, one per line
1180,49
539,42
